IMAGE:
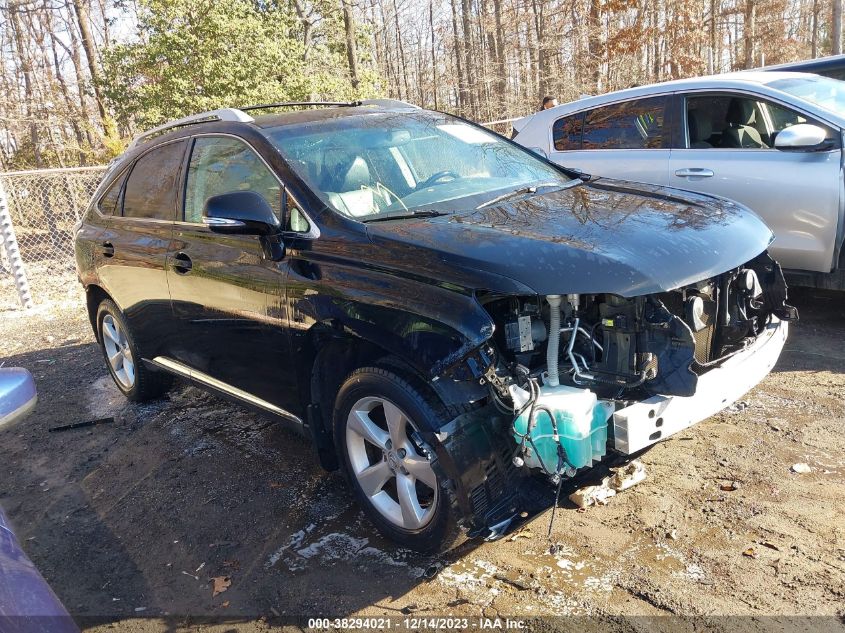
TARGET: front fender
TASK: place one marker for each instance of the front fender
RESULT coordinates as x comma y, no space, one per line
430,327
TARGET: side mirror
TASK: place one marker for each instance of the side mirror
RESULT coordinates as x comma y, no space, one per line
802,136
539,151
17,394
240,212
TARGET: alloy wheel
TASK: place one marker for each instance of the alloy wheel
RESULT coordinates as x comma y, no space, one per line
391,470
118,352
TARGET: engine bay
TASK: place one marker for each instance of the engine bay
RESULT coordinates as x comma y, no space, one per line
561,365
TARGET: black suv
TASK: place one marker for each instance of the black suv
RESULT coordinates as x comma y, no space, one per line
442,311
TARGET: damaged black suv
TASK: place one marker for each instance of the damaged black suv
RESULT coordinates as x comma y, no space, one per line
442,311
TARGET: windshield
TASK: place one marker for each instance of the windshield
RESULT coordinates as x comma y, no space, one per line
824,92
383,164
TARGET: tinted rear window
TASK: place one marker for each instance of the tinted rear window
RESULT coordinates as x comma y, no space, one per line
566,132
636,124
151,188
108,201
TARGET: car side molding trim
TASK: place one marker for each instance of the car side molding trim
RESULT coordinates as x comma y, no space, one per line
185,371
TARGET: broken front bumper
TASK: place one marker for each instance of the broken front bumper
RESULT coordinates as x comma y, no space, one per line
642,424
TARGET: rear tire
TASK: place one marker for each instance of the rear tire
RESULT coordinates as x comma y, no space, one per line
376,412
132,377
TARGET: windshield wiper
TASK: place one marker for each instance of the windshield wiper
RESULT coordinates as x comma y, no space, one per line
419,213
516,192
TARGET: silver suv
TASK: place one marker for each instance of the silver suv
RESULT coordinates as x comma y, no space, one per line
770,140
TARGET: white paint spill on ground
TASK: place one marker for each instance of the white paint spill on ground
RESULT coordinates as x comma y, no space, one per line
298,552
469,573
383,558
600,583
104,398
472,579
568,565
294,542
693,572
334,546
690,570
561,604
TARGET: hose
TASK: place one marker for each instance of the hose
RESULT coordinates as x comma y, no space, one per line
554,431
552,348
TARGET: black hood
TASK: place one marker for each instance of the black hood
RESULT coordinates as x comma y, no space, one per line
602,237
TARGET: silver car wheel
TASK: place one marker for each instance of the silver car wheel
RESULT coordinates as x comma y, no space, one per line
390,470
118,352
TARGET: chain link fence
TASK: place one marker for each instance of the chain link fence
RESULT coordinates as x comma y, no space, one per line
38,210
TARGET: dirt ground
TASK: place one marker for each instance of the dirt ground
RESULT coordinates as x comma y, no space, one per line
131,520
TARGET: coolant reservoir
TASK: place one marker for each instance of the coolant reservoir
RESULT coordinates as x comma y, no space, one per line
581,422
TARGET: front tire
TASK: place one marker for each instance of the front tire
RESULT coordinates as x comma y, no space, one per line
375,416
132,377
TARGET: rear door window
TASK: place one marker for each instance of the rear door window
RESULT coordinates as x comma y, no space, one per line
107,203
566,132
223,164
153,183
635,124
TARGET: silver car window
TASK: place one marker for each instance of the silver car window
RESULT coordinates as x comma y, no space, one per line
733,121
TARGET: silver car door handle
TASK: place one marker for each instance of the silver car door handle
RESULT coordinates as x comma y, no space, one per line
698,172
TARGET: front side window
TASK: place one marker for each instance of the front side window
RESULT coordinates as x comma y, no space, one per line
222,164
726,121
781,117
737,121
384,163
566,132
152,184
636,124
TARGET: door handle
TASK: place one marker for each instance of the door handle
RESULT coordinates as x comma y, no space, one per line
107,249
694,172
182,263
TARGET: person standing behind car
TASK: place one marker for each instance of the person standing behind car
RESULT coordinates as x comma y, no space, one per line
548,102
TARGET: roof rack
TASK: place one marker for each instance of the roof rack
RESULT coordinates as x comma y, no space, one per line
223,114
387,103
240,114
300,104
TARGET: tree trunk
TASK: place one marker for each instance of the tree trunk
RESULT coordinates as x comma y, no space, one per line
501,70
748,31
401,49
463,98
542,63
26,70
433,56
69,102
594,44
307,26
83,20
469,66
711,62
351,53
836,34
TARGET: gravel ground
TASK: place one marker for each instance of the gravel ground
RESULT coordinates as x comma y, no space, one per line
132,520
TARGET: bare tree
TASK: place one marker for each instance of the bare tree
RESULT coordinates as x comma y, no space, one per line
486,59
